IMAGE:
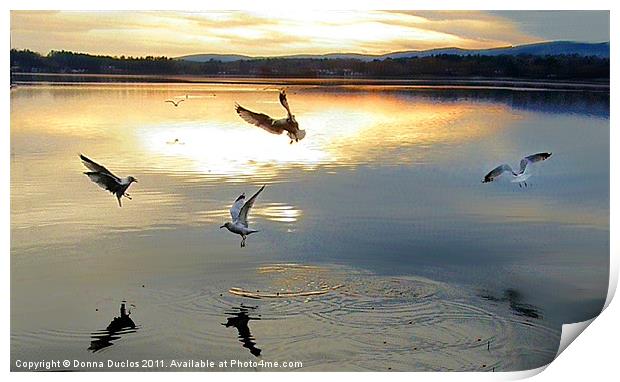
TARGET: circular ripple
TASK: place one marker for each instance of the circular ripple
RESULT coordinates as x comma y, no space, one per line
408,323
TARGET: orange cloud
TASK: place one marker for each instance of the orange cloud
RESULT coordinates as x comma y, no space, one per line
256,33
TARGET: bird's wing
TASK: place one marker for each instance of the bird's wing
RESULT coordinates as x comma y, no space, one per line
96,167
236,207
105,181
532,159
284,103
243,214
171,101
263,121
496,172
179,101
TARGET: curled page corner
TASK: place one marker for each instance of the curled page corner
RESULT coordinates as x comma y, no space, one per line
613,280
520,375
570,332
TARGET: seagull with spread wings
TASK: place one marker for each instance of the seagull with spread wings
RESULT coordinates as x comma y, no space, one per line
524,169
239,213
176,104
106,180
274,126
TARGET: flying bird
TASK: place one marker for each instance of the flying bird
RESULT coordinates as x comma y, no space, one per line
524,169
239,213
106,180
176,104
175,142
274,126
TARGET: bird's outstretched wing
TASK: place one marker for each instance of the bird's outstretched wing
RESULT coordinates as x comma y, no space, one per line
496,172
236,207
243,214
284,103
532,159
263,121
96,167
105,181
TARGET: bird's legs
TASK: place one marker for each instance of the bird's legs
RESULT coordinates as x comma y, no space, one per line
243,241
119,201
127,196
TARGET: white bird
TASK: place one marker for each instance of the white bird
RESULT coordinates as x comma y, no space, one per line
524,169
239,213
274,126
176,104
106,180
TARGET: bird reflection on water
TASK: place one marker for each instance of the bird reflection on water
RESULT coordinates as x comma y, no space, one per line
515,300
119,325
239,318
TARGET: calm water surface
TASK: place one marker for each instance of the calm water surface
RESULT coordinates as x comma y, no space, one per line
381,207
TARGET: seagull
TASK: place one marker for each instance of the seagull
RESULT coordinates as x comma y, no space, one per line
176,104
175,142
239,213
106,180
524,167
274,126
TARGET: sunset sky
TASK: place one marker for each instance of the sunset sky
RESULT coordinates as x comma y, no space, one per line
273,33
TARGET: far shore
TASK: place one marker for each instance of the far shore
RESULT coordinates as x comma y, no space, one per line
18,78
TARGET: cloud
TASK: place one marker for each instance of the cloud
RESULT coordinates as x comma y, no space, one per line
259,33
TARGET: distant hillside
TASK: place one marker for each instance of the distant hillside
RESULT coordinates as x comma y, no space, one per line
539,49
430,66
214,57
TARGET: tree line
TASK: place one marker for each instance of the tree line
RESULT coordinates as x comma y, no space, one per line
442,65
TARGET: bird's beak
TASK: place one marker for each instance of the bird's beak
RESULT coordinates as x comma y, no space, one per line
223,226
135,180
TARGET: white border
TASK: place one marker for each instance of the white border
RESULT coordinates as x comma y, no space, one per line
593,356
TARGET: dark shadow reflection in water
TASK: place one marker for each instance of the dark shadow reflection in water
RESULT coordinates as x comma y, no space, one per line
515,300
119,325
239,318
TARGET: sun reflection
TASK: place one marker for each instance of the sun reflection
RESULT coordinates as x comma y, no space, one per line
226,149
205,136
343,129
279,212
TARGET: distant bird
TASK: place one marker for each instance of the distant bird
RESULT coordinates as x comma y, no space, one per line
274,126
108,181
239,213
176,104
524,169
175,142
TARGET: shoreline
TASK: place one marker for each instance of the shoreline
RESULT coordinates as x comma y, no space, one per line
470,82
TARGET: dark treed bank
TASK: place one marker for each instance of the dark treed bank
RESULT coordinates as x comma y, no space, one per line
550,67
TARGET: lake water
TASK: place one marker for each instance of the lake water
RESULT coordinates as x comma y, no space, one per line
411,262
